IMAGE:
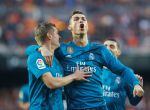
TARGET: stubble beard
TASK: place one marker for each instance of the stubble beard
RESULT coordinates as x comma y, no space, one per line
81,35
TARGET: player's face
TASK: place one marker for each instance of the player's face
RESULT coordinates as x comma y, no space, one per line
113,47
55,38
78,24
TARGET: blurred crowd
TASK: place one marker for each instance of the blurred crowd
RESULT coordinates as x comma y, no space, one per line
9,100
126,20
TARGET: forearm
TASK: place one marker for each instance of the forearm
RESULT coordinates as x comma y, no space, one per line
56,82
62,81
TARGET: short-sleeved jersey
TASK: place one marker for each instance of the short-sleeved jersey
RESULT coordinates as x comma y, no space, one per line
42,97
116,90
24,94
94,56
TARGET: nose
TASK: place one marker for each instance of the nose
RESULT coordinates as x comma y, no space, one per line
81,21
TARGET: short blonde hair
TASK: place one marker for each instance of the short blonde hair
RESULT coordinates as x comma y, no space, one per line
40,32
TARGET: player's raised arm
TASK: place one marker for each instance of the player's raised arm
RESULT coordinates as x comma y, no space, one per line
117,67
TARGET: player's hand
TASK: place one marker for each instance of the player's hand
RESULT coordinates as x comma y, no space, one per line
138,91
82,74
140,79
47,55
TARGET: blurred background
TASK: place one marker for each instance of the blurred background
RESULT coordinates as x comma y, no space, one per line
128,21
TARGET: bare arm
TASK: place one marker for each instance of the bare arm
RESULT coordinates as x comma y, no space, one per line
56,82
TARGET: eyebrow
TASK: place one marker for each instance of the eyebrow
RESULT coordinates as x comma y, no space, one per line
76,17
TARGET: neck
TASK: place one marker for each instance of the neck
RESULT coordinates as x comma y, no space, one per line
49,47
80,39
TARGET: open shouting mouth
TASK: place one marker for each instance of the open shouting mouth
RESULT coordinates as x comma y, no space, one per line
82,27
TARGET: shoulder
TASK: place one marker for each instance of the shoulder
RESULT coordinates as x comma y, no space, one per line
102,49
31,49
34,57
97,45
99,48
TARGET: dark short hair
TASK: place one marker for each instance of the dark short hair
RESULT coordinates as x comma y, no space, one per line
41,31
76,12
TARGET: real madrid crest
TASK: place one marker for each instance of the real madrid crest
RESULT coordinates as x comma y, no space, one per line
91,56
70,50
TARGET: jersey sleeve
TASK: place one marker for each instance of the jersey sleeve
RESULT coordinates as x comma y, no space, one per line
31,49
37,65
118,68
133,100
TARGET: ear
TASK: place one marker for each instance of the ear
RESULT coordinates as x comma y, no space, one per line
49,36
69,27
119,52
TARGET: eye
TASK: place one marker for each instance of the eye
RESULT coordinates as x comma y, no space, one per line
83,18
76,18
112,46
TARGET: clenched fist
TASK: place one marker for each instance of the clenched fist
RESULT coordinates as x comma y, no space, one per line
138,91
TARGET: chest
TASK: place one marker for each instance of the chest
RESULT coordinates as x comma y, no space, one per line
81,58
